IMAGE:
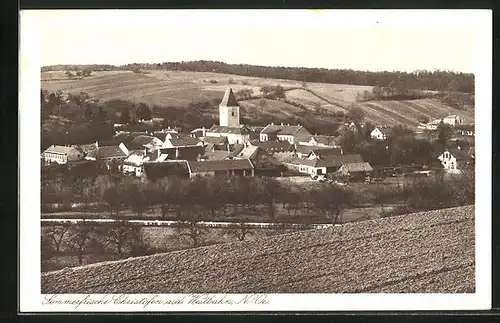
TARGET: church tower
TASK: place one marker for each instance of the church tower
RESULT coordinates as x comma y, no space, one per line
229,110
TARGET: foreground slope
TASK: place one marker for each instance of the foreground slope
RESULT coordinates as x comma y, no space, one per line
422,252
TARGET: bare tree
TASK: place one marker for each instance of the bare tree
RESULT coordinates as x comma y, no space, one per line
239,230
120,235
190,227
79,241
56,235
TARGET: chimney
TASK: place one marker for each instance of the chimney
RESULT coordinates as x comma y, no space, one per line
203,131
97,144
228,150
176,153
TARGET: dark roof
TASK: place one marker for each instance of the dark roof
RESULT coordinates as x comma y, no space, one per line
184,141
236,149
216,155
229,100
177,167
215,140
465,127
337,161
274,146
219,165
310,261
460,154
232,130
185,153
356,167
110,151
143,139
282,129
326,140
323,152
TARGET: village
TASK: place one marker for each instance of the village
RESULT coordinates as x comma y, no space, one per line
274,150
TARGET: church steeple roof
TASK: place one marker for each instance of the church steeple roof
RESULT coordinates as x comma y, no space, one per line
229,100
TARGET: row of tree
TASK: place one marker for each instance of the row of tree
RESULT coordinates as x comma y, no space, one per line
419,80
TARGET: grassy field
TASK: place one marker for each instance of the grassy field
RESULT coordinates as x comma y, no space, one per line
179,88
426,252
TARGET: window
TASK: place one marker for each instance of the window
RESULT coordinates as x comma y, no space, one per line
232,113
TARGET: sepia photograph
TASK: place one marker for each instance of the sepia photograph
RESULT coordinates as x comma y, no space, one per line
228,157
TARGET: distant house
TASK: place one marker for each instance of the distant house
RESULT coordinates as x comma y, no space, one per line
322,141
454,160
321,166
381,133
234,135
167,168
134,163
143,141
61,154
198,132
355,170
219,143
230,167
465,129
274,147
264,163
452,120
324,152
112,153
292,134
166,134
182,142
433,125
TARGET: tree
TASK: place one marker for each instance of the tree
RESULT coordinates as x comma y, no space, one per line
444,133
114,197
356,113
304,85
190,227
86,72
349,140
231,80
143,112
239,230
279,92
121,234
69,74
78,73
265,90
125,116
79,241
56,235
377,92
333,200
262,105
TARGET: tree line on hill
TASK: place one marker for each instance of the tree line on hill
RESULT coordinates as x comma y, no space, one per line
419,80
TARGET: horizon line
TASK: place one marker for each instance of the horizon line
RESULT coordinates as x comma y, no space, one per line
277,66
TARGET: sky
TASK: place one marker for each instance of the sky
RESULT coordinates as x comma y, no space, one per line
372,40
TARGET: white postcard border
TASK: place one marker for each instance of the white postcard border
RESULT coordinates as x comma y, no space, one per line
29,225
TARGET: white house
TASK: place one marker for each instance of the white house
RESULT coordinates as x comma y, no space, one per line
433,125
291,133
453,160
322,141
379,133
61,154
452,120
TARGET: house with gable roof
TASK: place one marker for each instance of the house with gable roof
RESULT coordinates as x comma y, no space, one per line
61,154
291,133
454,160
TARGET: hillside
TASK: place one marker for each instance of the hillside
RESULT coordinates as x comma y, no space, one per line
179,88
431,252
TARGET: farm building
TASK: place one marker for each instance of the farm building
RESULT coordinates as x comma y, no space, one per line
61,154
425,252
452,120
230,167
167,168
465,129
324,152
321,166
454,160
322,141
355,170
290,133
134,162
115,153
264,163
198,132
274,147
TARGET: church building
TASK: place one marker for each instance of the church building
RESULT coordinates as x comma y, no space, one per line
229,121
